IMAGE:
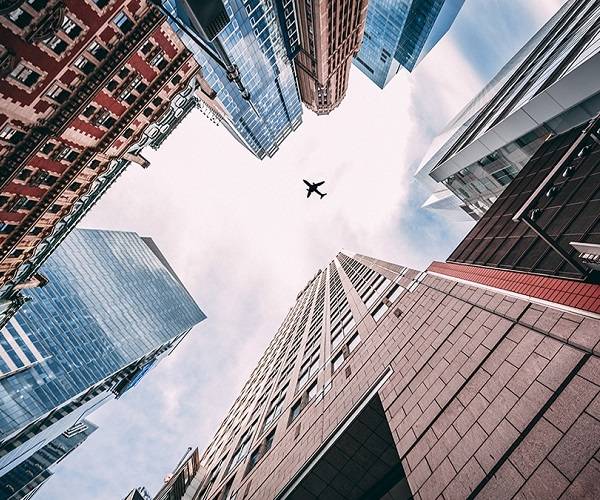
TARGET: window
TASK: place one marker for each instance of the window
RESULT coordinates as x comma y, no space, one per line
25,75
17,203
84,65
353,344
71,28
62,153
337,361
379,311
8,133
57,93
112,85
6,228
56,45
254,458
24,174
40,177
269,441
89,111
312,391
146,48
97,50
20,18
123,22
295,411
101,3
157,59
37,4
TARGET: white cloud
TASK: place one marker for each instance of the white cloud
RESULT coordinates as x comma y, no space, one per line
244,239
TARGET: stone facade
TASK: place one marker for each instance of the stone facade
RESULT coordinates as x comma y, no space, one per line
485,394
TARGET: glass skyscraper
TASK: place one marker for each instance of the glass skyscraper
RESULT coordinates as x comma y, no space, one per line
111,308
548,87
399,33
254,42
29,476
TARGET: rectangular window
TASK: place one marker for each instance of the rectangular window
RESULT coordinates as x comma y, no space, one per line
57,93
7,132
97,50
84,65
337,361
20,18
71,28
295,411
353,344
312,391
379,311
269,441
25,75
56,45
123,22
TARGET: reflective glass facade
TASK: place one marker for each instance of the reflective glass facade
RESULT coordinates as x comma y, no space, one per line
548,87
400,33
111,300
254,42
30,475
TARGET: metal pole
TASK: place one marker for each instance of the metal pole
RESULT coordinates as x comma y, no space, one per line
554,245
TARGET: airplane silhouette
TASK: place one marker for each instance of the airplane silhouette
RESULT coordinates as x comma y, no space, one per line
313,187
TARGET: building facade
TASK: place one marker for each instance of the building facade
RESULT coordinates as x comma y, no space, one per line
253,43
386,382
26,479
400,33
547,88
328,35
533,235
79,83
111,309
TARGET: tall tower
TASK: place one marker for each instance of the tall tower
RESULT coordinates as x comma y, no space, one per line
386,382
79,82
250,40
111,309
399,33
327,36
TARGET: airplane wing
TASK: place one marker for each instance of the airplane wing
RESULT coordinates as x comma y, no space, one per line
319,183
307,183
308,194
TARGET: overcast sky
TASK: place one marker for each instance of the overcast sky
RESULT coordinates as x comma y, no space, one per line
244,239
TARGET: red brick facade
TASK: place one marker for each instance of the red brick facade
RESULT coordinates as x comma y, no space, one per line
570,293
81,79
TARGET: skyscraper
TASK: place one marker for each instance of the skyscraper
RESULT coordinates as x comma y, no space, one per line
399,33
386,382
111,309
325,36
547,88
29,476
78,82
253,42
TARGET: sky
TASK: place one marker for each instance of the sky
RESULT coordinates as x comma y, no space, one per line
244,239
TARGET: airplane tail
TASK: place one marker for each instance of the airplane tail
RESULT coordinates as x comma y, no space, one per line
322,195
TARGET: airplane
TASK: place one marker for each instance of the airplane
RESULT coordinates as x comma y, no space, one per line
313,187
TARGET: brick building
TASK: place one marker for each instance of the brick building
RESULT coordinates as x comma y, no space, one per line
327,35
79,82
386,382
544,227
